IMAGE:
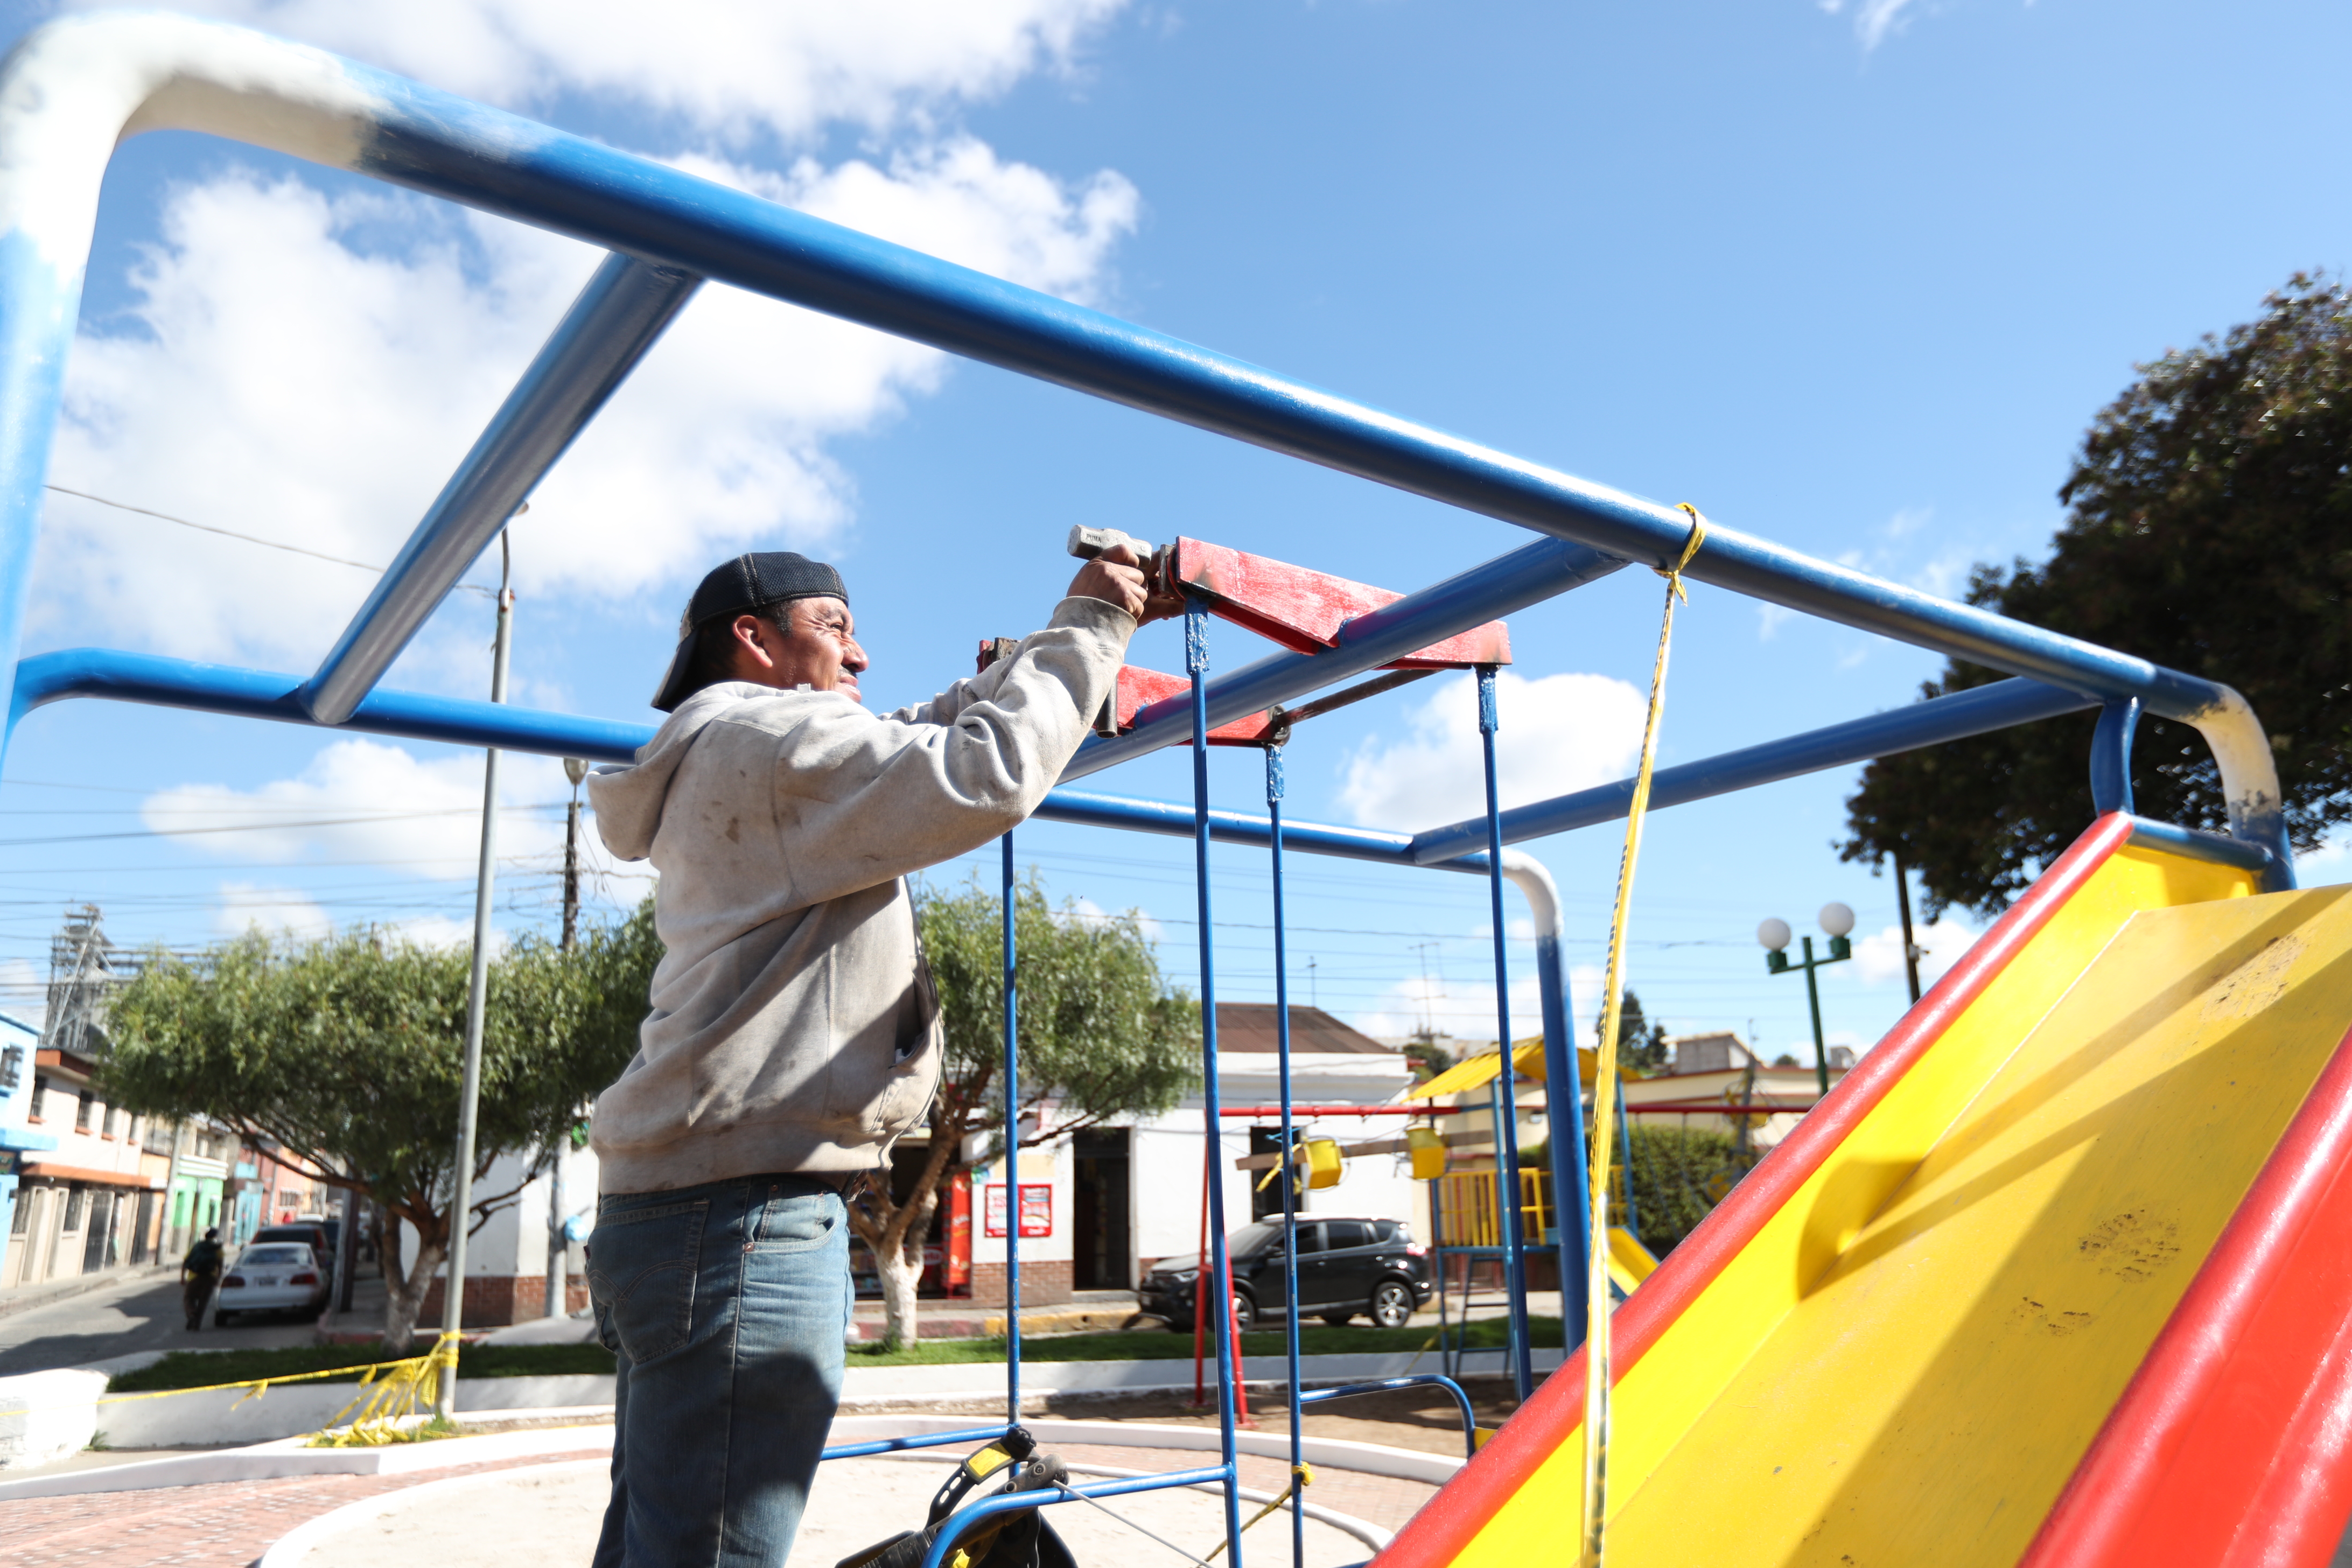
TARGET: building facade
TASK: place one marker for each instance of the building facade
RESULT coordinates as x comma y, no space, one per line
93,1202
18,1138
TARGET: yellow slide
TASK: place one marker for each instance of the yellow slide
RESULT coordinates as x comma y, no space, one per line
1630,1262
2061,1274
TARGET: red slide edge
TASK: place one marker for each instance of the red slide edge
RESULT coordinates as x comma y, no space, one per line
2232,1443
1448,1521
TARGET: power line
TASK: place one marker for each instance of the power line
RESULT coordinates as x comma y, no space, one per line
246,538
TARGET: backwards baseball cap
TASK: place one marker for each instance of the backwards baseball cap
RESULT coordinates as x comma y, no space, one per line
750,582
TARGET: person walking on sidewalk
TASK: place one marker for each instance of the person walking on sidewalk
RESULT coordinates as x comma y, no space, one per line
200,1270
794,1033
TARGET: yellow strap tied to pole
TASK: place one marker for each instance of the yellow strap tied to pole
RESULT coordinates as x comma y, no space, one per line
1300,1476
1604,1105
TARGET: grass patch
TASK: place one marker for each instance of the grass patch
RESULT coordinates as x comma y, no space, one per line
201,1369
1147,1345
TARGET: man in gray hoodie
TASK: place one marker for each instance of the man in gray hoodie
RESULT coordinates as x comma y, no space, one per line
795,1034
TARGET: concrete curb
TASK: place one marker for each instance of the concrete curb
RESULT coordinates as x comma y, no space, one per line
267,1461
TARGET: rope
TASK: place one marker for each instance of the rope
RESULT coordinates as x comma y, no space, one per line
1604,1104
1072,1491
1300,1476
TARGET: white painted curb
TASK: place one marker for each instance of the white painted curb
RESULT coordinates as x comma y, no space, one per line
290,1548
268,1461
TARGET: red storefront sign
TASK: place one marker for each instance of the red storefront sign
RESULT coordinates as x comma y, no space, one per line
1036,1208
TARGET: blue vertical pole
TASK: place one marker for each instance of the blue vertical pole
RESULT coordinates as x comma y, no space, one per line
1289,1163
1012,1154
1196,665
1514,1269
1571,1177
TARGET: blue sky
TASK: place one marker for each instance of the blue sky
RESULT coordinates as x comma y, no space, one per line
1852,277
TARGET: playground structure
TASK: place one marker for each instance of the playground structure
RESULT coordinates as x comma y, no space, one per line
2136,1073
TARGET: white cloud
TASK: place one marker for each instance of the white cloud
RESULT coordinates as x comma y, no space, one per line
1559,734
273,911
441,931
1878,959
284,373
1086,909
365,801
1771,618
1874,20
1461,1010
731,68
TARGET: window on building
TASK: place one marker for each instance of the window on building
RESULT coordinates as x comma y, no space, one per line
106,1120
82,1108
40,1089
19,1210
74,1198
12,1067
156,1137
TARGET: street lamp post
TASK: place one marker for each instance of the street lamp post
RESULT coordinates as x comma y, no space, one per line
1837,921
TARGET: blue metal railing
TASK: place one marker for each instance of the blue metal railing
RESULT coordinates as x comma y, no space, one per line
619,315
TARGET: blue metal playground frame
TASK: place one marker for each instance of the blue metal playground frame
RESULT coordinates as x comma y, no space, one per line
70,88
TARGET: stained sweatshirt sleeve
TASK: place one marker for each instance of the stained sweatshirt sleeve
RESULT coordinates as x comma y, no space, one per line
860,799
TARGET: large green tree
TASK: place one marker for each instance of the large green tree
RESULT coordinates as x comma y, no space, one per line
348,1053
2209,528
1103,1035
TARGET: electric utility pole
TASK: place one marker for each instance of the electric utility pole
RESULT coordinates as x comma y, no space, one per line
1910,948
478,985
558,1301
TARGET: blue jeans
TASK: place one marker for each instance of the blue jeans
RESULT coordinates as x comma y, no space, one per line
724,1306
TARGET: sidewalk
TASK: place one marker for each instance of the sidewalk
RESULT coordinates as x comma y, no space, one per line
25,1298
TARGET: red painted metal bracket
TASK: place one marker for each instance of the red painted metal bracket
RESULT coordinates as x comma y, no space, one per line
1304,610
1140,687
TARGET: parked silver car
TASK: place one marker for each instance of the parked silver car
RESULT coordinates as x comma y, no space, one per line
271,1277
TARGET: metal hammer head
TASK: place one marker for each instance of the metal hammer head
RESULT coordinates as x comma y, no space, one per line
1086,544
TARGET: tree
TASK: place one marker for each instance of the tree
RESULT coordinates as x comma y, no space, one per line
1679,1174
1641,1044
348,1053
2207,529
1102,1036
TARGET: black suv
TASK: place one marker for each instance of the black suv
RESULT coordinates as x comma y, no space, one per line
1347,1265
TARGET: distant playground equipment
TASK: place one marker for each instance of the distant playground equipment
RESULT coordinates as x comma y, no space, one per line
2060,1274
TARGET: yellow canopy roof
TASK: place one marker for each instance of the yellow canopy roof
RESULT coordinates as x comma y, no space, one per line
1476,1072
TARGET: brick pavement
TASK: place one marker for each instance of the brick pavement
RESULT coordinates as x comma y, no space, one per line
228,1524
225,1524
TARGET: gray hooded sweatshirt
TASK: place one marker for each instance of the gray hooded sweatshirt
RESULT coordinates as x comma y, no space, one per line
794,1025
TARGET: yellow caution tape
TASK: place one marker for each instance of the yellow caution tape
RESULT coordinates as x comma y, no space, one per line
419,1376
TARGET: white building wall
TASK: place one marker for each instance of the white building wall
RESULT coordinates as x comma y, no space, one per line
1167,1171
514,1242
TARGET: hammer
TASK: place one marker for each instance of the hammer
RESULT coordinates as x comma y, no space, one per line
1086,543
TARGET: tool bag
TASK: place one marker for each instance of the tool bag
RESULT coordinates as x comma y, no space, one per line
1020,1539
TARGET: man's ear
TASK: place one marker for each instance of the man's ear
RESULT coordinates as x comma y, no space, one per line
752,639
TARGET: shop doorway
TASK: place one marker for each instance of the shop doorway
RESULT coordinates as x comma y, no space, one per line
1102,1254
